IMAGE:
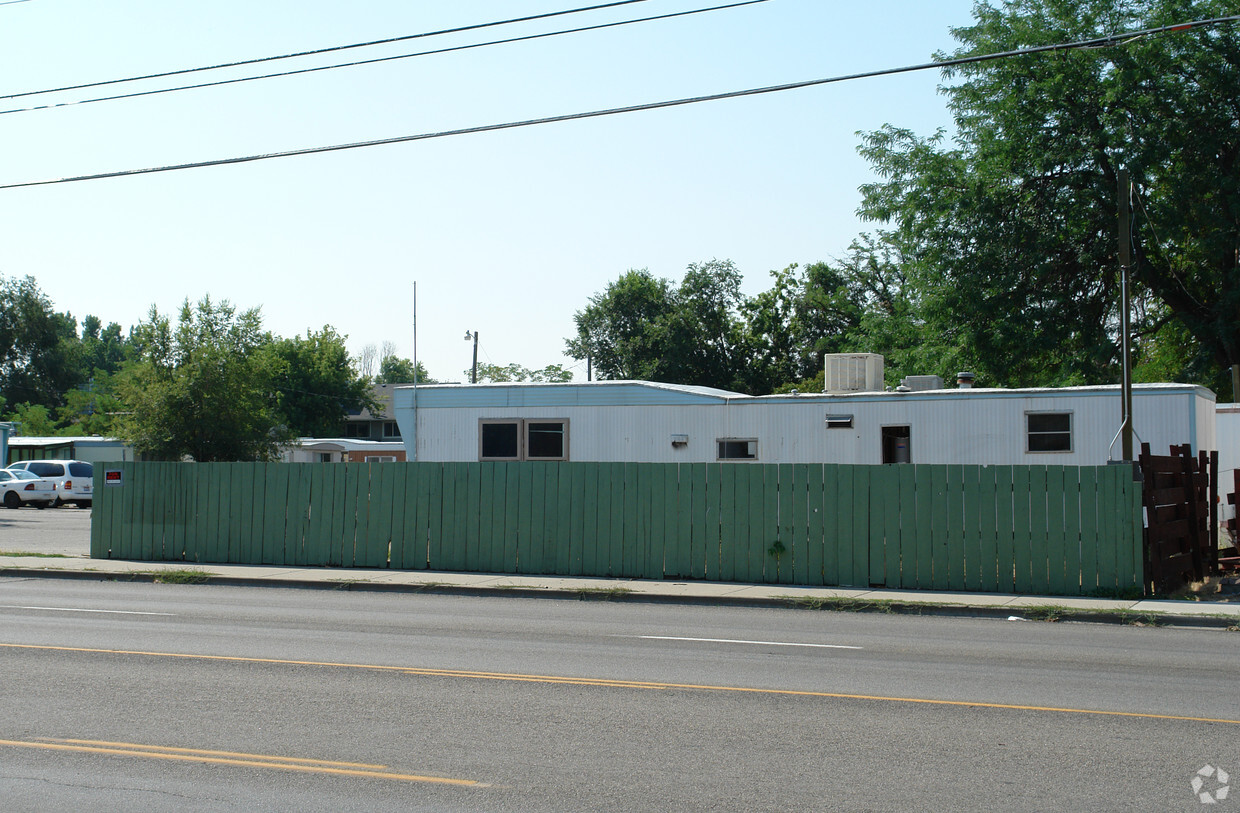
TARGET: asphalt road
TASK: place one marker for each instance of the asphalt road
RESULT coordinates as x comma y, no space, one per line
126,696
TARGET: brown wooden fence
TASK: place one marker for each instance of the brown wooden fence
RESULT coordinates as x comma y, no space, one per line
1181,515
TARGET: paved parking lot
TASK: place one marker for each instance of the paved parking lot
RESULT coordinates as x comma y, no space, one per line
64,531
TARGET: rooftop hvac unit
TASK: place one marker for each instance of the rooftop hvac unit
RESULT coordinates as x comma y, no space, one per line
917,383
854,372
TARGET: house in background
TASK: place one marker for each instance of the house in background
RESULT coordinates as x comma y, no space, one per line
92,449
378,424
923,422
343,450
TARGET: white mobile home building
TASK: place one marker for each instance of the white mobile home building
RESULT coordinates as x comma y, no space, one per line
638,421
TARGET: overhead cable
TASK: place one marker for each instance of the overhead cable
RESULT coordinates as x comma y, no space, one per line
1114,39
382,59
328,50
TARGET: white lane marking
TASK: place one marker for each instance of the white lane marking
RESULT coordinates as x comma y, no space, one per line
735,641
77,610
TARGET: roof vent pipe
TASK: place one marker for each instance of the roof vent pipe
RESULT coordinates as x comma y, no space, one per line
964,380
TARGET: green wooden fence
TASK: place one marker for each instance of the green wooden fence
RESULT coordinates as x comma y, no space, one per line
1025,529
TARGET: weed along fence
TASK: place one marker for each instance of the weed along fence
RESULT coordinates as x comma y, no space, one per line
1027,529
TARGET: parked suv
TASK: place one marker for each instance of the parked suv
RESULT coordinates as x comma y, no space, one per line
74,479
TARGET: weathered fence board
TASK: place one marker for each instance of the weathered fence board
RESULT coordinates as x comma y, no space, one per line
1031,529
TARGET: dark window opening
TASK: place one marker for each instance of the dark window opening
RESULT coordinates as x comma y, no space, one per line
1049,431
544,441
897,444
501,441
736,449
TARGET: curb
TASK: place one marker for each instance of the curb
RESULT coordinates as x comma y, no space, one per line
811,603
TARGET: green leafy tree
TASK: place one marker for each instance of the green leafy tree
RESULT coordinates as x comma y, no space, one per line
203,388
396,370
621,331
38,358
315,382
36,420
93,409
641,327
1009,233
103,348
496,373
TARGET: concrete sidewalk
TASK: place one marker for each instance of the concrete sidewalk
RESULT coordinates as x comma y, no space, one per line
1151,612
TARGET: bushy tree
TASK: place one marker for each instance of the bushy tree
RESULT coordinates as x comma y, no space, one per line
641,327
496,373
38,362
1009,233
396,370
203,389
315,382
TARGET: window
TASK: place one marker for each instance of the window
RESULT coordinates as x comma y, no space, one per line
516,439
1049,431
500,440
737,449
375,458
839,421
357,429
897,444
391,429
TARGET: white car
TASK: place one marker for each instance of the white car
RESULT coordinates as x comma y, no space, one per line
25,488
73,479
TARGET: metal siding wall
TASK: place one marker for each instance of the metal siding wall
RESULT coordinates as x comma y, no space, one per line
1227,427
952,427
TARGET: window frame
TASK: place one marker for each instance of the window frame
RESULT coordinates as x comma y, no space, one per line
523,439
751,444
1070,432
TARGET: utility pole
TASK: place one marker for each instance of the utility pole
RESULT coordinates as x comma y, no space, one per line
473,376
1125,260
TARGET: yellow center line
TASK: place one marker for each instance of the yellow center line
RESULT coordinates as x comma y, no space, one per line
202,752
628,684
256,761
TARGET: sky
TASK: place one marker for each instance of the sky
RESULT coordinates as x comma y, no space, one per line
507,233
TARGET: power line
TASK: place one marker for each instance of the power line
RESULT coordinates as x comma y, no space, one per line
328,50
1099,42
381,59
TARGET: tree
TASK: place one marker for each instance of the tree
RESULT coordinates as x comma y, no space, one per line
642,328
35,420
38,361
396,370
203,389
1009,234
496,373
93,409
315,382
620,331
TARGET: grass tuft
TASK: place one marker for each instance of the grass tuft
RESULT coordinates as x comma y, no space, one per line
602,593
184,576
27,553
